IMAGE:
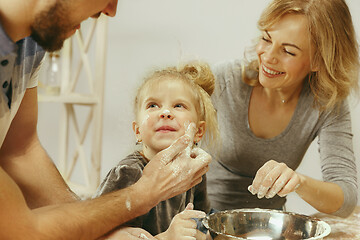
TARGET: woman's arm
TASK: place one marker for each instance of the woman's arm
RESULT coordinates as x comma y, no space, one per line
337,193
337,156
278,179
325,197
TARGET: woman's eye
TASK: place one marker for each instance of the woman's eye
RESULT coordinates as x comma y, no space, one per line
265,39
290,53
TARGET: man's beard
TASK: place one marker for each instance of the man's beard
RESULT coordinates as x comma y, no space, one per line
51,26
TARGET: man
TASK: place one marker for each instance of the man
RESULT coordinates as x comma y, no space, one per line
35,202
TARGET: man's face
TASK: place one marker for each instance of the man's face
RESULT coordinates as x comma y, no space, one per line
51,26
61,20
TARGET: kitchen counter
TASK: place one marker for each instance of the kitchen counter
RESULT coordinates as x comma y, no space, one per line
342,228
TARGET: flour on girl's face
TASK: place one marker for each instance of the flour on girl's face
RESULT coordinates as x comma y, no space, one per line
166,112
187,126
146,118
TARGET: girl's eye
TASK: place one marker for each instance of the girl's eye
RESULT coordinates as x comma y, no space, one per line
179,105
151,105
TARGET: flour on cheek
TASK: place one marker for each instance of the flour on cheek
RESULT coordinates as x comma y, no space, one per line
146,118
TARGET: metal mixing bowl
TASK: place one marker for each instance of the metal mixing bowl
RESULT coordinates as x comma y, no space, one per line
261,224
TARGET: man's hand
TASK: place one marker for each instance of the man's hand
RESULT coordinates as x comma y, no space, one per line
175,169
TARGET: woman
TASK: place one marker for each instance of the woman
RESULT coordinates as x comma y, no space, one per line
271,109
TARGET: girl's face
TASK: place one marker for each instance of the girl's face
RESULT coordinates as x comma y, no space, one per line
166,108
284,53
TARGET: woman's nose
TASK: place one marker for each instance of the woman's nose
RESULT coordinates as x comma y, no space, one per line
166,114
269,56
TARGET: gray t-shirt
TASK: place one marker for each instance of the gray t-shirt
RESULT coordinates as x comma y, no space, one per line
158,219
242,153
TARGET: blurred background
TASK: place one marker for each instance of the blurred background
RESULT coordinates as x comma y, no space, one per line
147,35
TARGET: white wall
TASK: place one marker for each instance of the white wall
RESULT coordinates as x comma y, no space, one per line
147,34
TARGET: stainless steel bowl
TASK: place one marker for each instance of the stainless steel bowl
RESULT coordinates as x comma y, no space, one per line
261,224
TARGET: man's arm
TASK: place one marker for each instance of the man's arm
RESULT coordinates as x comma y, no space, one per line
26,162
77,220
88,219
93,218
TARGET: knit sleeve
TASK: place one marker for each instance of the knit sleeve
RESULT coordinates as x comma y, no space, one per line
337,156
119,177
201,200
126,173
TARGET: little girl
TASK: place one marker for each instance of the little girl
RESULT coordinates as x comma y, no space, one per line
166,103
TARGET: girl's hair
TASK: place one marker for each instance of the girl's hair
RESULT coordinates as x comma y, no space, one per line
336,49
201,81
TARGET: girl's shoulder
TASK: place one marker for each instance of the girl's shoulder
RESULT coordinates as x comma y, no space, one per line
133,159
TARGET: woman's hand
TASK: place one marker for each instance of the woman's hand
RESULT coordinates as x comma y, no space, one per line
183,226
274,178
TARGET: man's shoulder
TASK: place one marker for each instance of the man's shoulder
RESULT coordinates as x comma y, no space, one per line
29,53
29,47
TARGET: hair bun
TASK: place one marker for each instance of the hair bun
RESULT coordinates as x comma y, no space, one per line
201,74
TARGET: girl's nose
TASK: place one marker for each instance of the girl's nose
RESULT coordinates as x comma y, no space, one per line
166,114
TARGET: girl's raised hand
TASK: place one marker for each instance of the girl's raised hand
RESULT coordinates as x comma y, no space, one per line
183,226
128,233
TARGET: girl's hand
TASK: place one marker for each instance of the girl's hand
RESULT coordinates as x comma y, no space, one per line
274,178
129,233
183,227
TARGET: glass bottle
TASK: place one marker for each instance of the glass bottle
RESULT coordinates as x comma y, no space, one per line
53,80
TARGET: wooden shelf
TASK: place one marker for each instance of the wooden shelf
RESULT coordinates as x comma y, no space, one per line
73,98
79,155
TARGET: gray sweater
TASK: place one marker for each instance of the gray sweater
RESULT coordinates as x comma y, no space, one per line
157,220
242,153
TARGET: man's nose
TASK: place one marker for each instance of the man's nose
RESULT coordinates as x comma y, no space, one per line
110,9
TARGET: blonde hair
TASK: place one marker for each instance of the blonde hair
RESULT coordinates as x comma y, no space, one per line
201,81
336,54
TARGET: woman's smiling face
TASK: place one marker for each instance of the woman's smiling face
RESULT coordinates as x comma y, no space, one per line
284,53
